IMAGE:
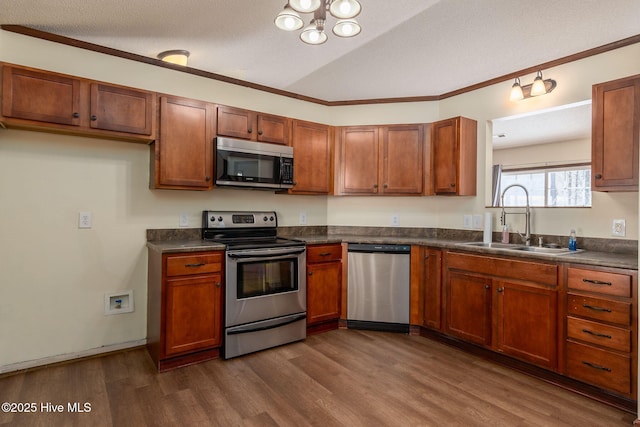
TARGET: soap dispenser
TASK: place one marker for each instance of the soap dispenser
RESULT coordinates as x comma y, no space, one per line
573,244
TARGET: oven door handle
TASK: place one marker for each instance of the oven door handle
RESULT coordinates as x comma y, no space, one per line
273,255
248,329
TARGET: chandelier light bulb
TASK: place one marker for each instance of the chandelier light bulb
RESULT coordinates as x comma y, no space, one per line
345,9
289,20
304,6
347,28
516,91
538,85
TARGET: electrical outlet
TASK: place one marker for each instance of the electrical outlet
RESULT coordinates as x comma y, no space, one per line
618,228
303,218
183,221
84,220
395,220
467,221
477,221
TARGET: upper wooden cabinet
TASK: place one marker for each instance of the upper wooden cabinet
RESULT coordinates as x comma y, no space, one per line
313,152
183,153
615,135
453,157
384,160
43,100
245,124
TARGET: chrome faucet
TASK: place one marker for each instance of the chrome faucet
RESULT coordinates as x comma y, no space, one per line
527,214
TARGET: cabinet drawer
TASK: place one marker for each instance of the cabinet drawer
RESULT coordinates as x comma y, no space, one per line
182,265
599,281
324,253
599,367
599,309
597,333
535,272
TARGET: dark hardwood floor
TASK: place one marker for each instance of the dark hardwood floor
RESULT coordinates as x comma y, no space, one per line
339,378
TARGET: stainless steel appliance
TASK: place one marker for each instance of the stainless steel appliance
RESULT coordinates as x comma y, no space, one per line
378,287
265,281
259,165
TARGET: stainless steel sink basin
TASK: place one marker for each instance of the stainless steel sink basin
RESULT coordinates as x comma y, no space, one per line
543,250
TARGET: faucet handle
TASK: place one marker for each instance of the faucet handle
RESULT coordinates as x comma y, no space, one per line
540,241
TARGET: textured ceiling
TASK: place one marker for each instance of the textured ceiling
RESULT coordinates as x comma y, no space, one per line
406,48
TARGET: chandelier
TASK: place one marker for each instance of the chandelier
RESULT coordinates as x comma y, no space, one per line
343,10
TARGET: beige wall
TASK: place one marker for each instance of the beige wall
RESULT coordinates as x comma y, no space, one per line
53,276
554,153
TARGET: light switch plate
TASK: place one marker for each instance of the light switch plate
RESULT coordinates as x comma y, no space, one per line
183,221
477,221
618,228
467,221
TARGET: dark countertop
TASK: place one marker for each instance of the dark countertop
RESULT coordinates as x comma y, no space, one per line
595,258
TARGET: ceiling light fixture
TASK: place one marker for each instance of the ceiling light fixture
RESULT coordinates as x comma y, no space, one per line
344,10
537,88
178,57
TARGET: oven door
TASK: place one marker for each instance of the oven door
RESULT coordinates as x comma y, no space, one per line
264,284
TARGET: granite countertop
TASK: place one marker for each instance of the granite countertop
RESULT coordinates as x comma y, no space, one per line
628,260
597,258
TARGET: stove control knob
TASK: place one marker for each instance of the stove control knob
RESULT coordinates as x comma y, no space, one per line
220,218
213,219
270,218
265,219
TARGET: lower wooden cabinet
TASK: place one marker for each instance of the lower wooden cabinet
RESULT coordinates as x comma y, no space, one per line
324,286
184,312
602,328
509,306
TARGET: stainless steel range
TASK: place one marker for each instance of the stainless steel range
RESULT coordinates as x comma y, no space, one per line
265,281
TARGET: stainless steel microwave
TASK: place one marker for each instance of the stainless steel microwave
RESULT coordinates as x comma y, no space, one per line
251,164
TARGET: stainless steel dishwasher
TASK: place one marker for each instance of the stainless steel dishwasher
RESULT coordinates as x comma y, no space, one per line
378,287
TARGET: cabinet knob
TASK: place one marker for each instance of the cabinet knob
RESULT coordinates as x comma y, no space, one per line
453,184
259,132
310,273
218,284
375,185
76,115
486,286
385,185
94,118
598,176
249,130
500,289
208,178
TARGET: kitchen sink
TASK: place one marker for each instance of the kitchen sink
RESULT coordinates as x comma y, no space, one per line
546,250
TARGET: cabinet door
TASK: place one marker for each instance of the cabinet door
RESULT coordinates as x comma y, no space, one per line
40,96
273,129
184,150
468,307
615,135
402,159
236,123
359,160
444,145
323,291
432,288
454,156
312,153
122,109
192,315
527,323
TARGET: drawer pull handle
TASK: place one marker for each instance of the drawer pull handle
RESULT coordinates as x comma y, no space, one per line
195,265
590,307
598,367
325,254
596,282
596,334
